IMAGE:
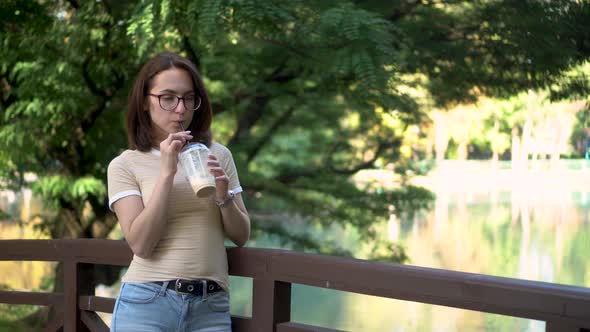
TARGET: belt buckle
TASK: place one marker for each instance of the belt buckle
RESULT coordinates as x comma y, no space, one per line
177,284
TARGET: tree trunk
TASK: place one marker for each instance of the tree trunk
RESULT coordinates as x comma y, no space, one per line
515,151
495,159
462,151
441,136
495,154
555,155
526,144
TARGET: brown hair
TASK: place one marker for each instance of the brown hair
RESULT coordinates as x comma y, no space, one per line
139,124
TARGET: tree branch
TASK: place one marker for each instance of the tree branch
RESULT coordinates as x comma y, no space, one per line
74,4
70,156
104,95
254,111
287,47
405,9
66,157
192,55
89,82
12,27
70,219
279,76
6,85
105,226
8,101
99,207
381,147
218,108
107,7
290,176
104,219
250,117
271,131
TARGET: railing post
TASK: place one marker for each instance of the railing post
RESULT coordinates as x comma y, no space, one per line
78,280
271,304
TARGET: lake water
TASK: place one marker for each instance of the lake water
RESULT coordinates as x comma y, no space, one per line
530,225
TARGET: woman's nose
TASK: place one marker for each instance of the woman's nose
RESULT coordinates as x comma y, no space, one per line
180,107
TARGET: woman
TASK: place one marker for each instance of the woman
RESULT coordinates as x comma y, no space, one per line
178,278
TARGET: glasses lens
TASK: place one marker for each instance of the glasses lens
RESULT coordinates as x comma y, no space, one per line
193,103
168,102
189,102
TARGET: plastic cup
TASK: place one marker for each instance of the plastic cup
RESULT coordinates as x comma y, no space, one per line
193,161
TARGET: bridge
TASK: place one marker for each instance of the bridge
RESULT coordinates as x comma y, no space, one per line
563,308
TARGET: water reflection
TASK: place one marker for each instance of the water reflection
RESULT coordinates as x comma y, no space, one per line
529,225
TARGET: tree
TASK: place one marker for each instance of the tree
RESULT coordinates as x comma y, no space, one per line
495,47
66,69
299,92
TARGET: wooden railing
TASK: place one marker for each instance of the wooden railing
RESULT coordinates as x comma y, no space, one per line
564,308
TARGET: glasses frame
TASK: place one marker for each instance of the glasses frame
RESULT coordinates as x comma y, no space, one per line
178,99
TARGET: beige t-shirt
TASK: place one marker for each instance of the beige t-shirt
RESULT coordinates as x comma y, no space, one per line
192,244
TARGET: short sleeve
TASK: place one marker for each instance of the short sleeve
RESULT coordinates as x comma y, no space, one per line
120,181
229,167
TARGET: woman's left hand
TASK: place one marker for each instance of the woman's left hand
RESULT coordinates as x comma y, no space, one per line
221,179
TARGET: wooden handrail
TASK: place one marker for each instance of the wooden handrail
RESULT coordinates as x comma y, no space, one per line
564,308
91,251
33,298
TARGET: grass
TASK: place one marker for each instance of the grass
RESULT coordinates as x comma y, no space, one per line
11,316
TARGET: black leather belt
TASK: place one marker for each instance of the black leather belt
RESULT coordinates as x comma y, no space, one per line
194,287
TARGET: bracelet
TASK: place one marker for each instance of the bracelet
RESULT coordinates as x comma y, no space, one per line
230,197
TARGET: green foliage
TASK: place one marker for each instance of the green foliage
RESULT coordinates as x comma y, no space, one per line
499,46
303,93
12,316
574,83
55,188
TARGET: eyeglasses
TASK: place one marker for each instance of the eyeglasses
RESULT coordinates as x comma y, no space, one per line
168,102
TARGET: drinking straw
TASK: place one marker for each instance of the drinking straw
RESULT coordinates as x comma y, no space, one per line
182,129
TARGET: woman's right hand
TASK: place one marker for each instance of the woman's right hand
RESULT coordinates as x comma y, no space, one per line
169,149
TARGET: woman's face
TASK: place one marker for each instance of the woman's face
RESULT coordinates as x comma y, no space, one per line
171,82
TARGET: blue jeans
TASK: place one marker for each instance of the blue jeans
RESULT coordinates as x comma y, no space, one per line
145,307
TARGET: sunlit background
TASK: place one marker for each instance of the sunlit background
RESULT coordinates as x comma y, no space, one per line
337,114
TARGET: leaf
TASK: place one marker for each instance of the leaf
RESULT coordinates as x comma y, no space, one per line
82,187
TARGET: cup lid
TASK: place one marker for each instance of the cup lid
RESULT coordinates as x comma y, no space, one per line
195,145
